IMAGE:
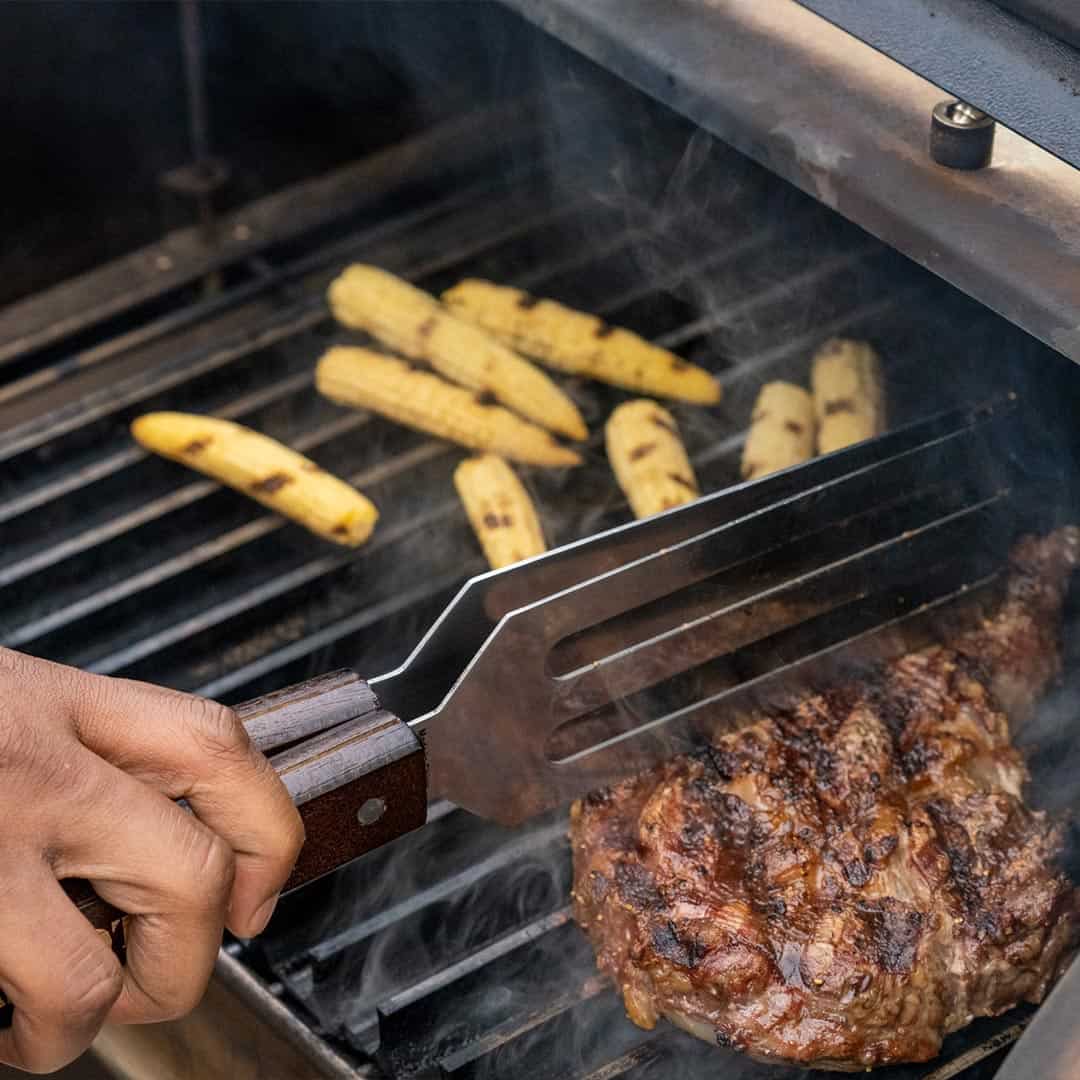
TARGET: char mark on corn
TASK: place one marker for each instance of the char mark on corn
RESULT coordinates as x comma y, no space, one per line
781,430
500,510
648,458
849,397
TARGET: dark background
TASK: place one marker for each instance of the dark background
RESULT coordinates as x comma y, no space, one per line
95,107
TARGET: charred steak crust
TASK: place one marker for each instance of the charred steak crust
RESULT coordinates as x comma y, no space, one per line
843,885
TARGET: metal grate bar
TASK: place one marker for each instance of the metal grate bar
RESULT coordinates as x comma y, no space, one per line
248,403
113,463
303,575
808,279
534,842
410,1021
332,634
125,283
720,450
969,1058
157,508
462,1062
282,325
513,218
117,661
647,1054
268,278
252,531
202,553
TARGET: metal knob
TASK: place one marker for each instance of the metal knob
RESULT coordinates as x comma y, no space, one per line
961,136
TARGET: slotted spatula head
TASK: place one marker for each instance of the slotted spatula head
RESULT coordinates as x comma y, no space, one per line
693,622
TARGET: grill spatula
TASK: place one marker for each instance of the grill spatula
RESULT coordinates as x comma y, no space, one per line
550,678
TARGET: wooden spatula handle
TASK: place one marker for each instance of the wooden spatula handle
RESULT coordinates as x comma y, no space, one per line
359,784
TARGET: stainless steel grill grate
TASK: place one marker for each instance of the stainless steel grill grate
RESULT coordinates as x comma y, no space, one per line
451,952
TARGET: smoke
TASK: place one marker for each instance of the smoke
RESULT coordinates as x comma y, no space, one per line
1048,740
674,235
413,909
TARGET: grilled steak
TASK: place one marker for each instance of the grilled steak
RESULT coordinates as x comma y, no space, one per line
842,885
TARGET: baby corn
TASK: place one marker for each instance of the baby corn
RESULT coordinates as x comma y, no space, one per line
261,467
648,458
849,395
412,323
578,343
500,511
390,387
781,430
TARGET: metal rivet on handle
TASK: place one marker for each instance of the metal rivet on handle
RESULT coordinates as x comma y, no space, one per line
371,811
961,136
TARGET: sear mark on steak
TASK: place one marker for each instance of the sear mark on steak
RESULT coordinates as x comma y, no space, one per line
842,885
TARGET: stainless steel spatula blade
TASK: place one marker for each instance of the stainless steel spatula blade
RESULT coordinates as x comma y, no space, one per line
580,687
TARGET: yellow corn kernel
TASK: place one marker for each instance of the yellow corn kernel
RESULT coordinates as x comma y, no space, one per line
581,344
388,386
500,511
648,458
411,322
261,467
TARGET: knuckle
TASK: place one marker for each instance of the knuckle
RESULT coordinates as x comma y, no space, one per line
94,983
216,728
84,991
213,865
13,662
18,741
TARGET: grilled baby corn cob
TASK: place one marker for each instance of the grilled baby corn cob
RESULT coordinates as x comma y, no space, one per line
848,394
412,323
369,380
648,458
500,511
261,467
781,430
582,344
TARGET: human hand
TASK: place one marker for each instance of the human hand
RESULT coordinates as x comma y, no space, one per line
89,769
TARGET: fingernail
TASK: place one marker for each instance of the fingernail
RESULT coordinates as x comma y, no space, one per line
262,916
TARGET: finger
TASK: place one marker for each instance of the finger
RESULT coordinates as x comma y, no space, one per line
172,875
195,749
55,968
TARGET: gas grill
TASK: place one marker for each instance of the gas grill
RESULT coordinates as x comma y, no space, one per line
451,952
